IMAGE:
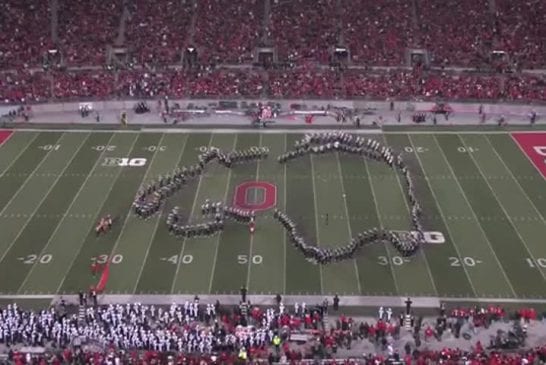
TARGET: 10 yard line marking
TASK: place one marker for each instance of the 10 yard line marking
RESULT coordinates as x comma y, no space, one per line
437,203
349,229
158,218
395,281
475,215
99,159
316,219
252,235
97,212
218,239
503,209
45,195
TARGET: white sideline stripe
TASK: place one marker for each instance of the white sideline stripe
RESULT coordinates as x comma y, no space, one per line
349,300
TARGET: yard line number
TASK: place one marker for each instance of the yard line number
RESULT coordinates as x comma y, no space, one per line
50,147
463,149
539,262
395,260
104,148
255,259
33,259
103,259
463,261
155,148
417,149
186,259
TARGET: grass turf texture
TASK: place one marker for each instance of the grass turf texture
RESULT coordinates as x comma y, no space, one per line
479,190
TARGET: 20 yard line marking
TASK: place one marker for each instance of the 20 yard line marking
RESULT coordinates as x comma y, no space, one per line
158,219
218,239
99,159
252,236
349,229
97,212
44,197
437,203
474,214
503,209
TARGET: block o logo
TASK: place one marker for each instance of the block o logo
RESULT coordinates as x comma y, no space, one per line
255,195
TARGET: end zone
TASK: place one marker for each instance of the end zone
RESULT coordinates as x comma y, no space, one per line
533,145
4,136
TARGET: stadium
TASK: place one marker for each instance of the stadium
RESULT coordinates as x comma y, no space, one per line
272,181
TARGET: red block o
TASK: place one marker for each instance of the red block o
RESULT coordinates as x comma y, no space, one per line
269,196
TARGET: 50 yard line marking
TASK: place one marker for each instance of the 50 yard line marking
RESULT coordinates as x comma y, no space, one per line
474,213
502,207
252,235
218,238
99,159
316,219
45,195
156,226
132,146
349,229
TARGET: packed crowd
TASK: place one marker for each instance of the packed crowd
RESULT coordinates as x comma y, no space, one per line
197,333
321,143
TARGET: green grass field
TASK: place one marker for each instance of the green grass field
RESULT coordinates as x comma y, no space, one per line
479,190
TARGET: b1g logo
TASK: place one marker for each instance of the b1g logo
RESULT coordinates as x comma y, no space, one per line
255,195
123,162
430,237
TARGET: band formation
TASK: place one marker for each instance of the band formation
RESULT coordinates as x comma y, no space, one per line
150,199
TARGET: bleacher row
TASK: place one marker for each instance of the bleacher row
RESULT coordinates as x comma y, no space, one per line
32,87
378,32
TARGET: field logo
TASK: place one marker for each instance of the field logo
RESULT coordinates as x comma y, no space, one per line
534,146
123,162
430,237
255,195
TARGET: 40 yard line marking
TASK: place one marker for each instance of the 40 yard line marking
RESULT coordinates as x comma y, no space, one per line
503,209
99,159
99,209
349,229
474,214
45,195
252,235
218,239
182,150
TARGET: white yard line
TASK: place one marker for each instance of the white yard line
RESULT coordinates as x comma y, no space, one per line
316,220
158,219
45,195
284,210
437,202
251,248
474,215
404,199
98,210
349,229
395,281
19,154
502,207
214,261
99,159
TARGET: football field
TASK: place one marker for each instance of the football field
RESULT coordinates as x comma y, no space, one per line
483,198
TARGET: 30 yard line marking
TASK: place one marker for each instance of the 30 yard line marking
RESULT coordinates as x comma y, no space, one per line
349,229
514,178
97,212
404,198
251,246
218,238
156,226
99,159
316,219
144,178
437,203
44,197
475,215
503,209
395,281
